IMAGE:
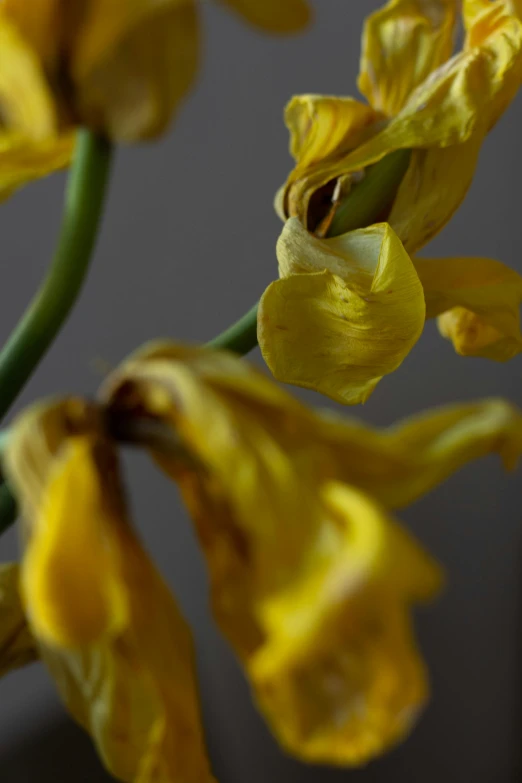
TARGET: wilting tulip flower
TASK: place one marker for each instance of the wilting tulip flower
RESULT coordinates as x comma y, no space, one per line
312,579
427,117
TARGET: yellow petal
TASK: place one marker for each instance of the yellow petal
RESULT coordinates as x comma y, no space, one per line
338,674
131,88
126,676
459,101
17,644
433,188
25,99
23,160
465,94
130,62
347,311
402,463
478,301
403,42
275,16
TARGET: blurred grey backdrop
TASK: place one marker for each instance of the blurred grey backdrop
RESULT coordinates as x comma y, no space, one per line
187,245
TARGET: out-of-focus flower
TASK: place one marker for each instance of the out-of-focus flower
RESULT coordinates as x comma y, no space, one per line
440,108
420,98
311,579
122,68
345,312
31,142
105,623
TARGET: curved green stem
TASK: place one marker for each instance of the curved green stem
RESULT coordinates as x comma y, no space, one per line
52,304
241,337
363,205
372,196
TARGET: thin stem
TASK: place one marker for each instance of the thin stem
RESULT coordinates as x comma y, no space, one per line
241,337
84,201
363,205
372,196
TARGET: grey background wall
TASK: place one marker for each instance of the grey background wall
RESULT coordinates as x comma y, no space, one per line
187,245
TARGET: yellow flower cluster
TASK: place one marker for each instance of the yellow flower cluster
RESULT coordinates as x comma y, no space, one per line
347,310
120,67
311,577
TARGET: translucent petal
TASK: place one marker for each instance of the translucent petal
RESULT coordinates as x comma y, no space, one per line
347,311
403,42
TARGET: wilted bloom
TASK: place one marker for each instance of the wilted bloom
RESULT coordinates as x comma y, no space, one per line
420,99
32,143
122,68
311,578
433,110
105,623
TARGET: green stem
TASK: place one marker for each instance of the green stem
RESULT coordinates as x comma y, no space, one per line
52,304
241,337
363,205
372,196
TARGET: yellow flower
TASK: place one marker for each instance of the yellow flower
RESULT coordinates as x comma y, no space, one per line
421,99
106,625
122,68
440,108
311,579
346,311
31,142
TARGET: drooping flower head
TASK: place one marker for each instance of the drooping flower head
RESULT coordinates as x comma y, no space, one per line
348,309
119,67
312,580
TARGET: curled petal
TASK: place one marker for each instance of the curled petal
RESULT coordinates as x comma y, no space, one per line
17,644
402,463
402,44
347,311
277,16
455,105
464,95
123,664
321,129
338,674
478,303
